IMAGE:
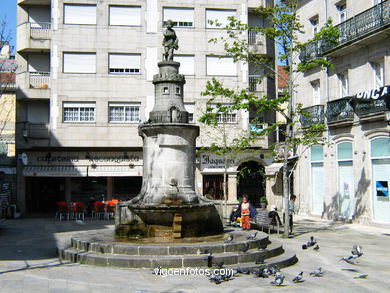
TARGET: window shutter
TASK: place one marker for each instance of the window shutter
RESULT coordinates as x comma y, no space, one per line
179,14
125,61
224,66
220,15
79,14
125,15
79,62
187,64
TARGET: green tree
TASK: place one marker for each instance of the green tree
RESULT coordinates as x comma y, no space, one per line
284,29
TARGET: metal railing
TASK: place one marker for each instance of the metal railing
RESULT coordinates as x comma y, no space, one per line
255,83
350,30
339,110
316,116
366,107
39,80
40,30
35,130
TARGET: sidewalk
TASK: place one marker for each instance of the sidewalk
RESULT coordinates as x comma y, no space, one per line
28,262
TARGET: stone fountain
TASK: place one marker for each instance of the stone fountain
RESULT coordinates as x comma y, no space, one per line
168,224
168,205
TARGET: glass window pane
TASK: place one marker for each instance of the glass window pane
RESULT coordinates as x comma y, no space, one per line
317,152
380,147
344,150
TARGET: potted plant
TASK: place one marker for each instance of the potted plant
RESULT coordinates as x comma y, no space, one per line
263,202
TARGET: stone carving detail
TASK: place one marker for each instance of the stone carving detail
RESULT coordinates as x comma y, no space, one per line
168,77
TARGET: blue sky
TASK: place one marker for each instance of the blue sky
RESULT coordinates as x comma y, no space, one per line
8,12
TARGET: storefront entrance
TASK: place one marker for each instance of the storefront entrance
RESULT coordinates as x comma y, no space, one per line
251,181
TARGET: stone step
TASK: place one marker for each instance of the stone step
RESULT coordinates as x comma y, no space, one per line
87,242
172,261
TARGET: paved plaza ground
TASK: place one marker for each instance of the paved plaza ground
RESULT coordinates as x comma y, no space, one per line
28,262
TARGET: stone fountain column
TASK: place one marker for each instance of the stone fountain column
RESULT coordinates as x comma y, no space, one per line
168,206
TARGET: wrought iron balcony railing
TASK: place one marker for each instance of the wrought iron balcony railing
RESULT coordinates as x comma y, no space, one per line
40,30
339,110
255,83
316,116
40,80
367,107
352,29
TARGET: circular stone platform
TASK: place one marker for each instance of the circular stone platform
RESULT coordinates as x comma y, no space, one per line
100,247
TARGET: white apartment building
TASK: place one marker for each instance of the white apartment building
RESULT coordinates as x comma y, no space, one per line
85,83
347,177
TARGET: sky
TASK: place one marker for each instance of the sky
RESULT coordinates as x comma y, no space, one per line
8,13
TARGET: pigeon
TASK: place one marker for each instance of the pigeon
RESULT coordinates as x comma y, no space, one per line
245,248
317,273
274,270
243,271
357,251
260,273
80,222
229,239
266,273
206,251
316,248
298,278
351,270
219,265
304,246
217,279
260,260
348,259
311,242
279,277
360,277
252,236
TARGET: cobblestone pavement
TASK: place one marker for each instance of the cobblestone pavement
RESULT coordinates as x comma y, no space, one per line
28,262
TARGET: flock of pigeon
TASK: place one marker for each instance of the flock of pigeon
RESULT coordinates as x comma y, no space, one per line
273,270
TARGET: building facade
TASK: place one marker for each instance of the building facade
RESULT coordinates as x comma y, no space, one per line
85,83
349,175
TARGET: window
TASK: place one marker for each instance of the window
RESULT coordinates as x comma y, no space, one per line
316,92
314,24
124,63
379,76
124,112
190,108
79,63
79,14
344,87
125,15
181,17
223,66
226,118
342,8
218,18
187,64
79,112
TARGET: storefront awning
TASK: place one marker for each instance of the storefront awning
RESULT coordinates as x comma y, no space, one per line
115,171
55,171
272,169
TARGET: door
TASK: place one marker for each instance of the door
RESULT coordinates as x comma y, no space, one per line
346,190
317,175
380,184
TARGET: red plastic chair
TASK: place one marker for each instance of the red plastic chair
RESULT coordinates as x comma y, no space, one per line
99,209
62,210
78,210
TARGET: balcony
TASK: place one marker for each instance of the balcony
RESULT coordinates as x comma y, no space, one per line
339,111
316,116
255,83
33,37
367,109
32,134
40,80
34,2
359,28
257,43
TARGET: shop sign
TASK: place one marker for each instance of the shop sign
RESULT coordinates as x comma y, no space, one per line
382,190
373,94
78,158
216,162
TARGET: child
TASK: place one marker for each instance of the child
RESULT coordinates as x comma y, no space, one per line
246,211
